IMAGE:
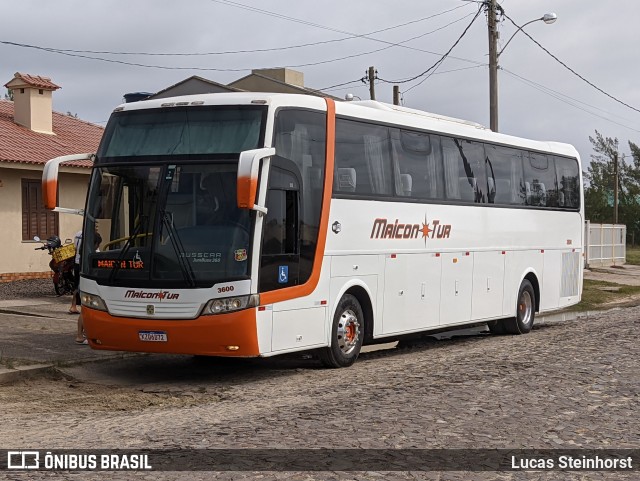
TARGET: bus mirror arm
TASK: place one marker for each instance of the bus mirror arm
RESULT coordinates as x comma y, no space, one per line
247,182
50,182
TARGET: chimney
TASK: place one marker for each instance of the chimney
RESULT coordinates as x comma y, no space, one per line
286,75
32,101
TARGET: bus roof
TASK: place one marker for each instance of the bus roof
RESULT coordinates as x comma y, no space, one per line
365,110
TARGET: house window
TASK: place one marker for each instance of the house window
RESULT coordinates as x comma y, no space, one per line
36,220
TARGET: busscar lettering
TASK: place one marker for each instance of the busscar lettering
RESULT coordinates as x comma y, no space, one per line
209,257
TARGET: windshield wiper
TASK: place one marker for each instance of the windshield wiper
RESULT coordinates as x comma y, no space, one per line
125,249
178,248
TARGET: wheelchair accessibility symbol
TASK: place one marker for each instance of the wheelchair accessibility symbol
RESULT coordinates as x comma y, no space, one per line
283,274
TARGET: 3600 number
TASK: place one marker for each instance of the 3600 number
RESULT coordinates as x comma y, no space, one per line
225,289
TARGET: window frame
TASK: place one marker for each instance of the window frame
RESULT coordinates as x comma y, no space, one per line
38,209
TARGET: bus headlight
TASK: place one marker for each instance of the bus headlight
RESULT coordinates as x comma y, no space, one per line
231,304
92,301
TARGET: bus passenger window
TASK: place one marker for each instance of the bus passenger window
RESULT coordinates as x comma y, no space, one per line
417,163
365,149
503,168
568,182
540,175
463,166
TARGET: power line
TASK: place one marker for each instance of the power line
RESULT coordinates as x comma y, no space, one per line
339,85
304,22
565,95
563,98
441,59
570,69
311,24
259,50
434,72
121,62
164,67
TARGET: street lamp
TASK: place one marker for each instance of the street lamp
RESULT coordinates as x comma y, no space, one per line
547,18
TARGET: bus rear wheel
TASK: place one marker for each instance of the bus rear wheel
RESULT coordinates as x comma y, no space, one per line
347,333
525,311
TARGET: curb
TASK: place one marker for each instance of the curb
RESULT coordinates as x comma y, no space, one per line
24,372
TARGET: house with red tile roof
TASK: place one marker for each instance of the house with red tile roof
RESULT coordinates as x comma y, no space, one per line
30,134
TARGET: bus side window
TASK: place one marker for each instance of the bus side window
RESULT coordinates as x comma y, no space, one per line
365,148
417,164
540,175
568,183
464,166
503,168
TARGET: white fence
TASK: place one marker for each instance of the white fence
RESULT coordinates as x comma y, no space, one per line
605,244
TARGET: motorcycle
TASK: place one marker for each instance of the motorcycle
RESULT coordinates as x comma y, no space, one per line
61,264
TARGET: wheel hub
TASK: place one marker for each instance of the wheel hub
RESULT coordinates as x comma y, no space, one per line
525,307
348,331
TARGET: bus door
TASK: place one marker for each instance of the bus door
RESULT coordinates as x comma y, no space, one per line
280,256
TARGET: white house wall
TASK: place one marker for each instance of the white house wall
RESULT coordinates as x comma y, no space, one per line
18,257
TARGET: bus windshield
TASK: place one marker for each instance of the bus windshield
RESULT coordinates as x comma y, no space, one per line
163,197
175,223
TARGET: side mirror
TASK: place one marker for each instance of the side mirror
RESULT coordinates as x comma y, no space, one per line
50,182
247,182
36,238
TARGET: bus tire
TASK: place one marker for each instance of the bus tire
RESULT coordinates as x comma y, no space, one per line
347,334
525,310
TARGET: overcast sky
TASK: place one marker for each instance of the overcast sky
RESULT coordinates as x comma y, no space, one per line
599,40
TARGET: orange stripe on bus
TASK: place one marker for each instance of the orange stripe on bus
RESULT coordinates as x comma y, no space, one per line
309,286
206,335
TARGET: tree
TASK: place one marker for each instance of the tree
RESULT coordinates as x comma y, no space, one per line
9,95
599,188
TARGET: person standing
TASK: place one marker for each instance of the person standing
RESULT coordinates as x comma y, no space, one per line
75,298
76,302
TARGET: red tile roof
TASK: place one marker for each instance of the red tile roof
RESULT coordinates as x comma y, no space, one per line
21,145
36,81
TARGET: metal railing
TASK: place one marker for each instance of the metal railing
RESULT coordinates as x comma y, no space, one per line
605,244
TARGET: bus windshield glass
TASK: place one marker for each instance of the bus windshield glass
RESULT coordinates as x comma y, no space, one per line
184,131
174,224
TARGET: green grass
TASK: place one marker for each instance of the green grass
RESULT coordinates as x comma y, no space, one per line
633,255
594,298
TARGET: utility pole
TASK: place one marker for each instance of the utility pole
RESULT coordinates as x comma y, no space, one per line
493,64
396,95
615,187
372,88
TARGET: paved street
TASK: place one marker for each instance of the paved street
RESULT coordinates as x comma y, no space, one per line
571,384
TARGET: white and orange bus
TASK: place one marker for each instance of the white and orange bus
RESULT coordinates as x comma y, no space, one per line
252,224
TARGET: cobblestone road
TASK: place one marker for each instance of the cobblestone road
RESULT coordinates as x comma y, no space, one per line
566,385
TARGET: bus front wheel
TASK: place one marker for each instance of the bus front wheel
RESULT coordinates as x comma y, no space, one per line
347,333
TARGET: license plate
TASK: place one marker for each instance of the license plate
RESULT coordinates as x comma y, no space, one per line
152,336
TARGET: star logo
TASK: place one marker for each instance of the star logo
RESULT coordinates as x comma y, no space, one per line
425,230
